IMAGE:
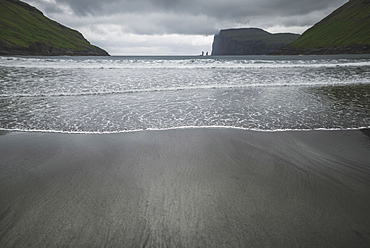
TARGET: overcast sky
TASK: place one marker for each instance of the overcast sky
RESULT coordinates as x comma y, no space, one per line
178,27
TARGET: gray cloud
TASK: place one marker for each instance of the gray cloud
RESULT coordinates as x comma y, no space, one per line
185,17
195,16
218,9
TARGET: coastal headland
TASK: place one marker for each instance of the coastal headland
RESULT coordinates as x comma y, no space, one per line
26,31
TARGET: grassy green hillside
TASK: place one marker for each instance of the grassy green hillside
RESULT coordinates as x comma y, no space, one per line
348,26
25,29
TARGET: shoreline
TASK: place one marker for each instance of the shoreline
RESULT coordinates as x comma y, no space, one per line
201,187
4,130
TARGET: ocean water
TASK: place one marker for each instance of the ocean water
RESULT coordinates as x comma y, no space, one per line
118,94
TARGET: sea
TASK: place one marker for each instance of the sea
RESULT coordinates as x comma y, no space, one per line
134,93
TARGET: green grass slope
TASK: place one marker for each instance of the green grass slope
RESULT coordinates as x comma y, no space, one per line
346,29
24,30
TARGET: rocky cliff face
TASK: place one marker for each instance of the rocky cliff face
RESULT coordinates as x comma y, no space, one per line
249,41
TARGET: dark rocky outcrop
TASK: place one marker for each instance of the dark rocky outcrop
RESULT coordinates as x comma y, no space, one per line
249,41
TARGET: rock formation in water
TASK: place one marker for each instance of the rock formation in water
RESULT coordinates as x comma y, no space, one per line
24,30
249,41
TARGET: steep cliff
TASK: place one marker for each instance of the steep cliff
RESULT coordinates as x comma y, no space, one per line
345,31
24,30
249,41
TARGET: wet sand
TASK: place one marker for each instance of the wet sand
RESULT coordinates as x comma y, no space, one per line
185,188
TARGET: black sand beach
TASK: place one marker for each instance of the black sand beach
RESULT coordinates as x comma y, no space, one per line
185,188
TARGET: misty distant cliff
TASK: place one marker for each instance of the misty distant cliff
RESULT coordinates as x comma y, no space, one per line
249,41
